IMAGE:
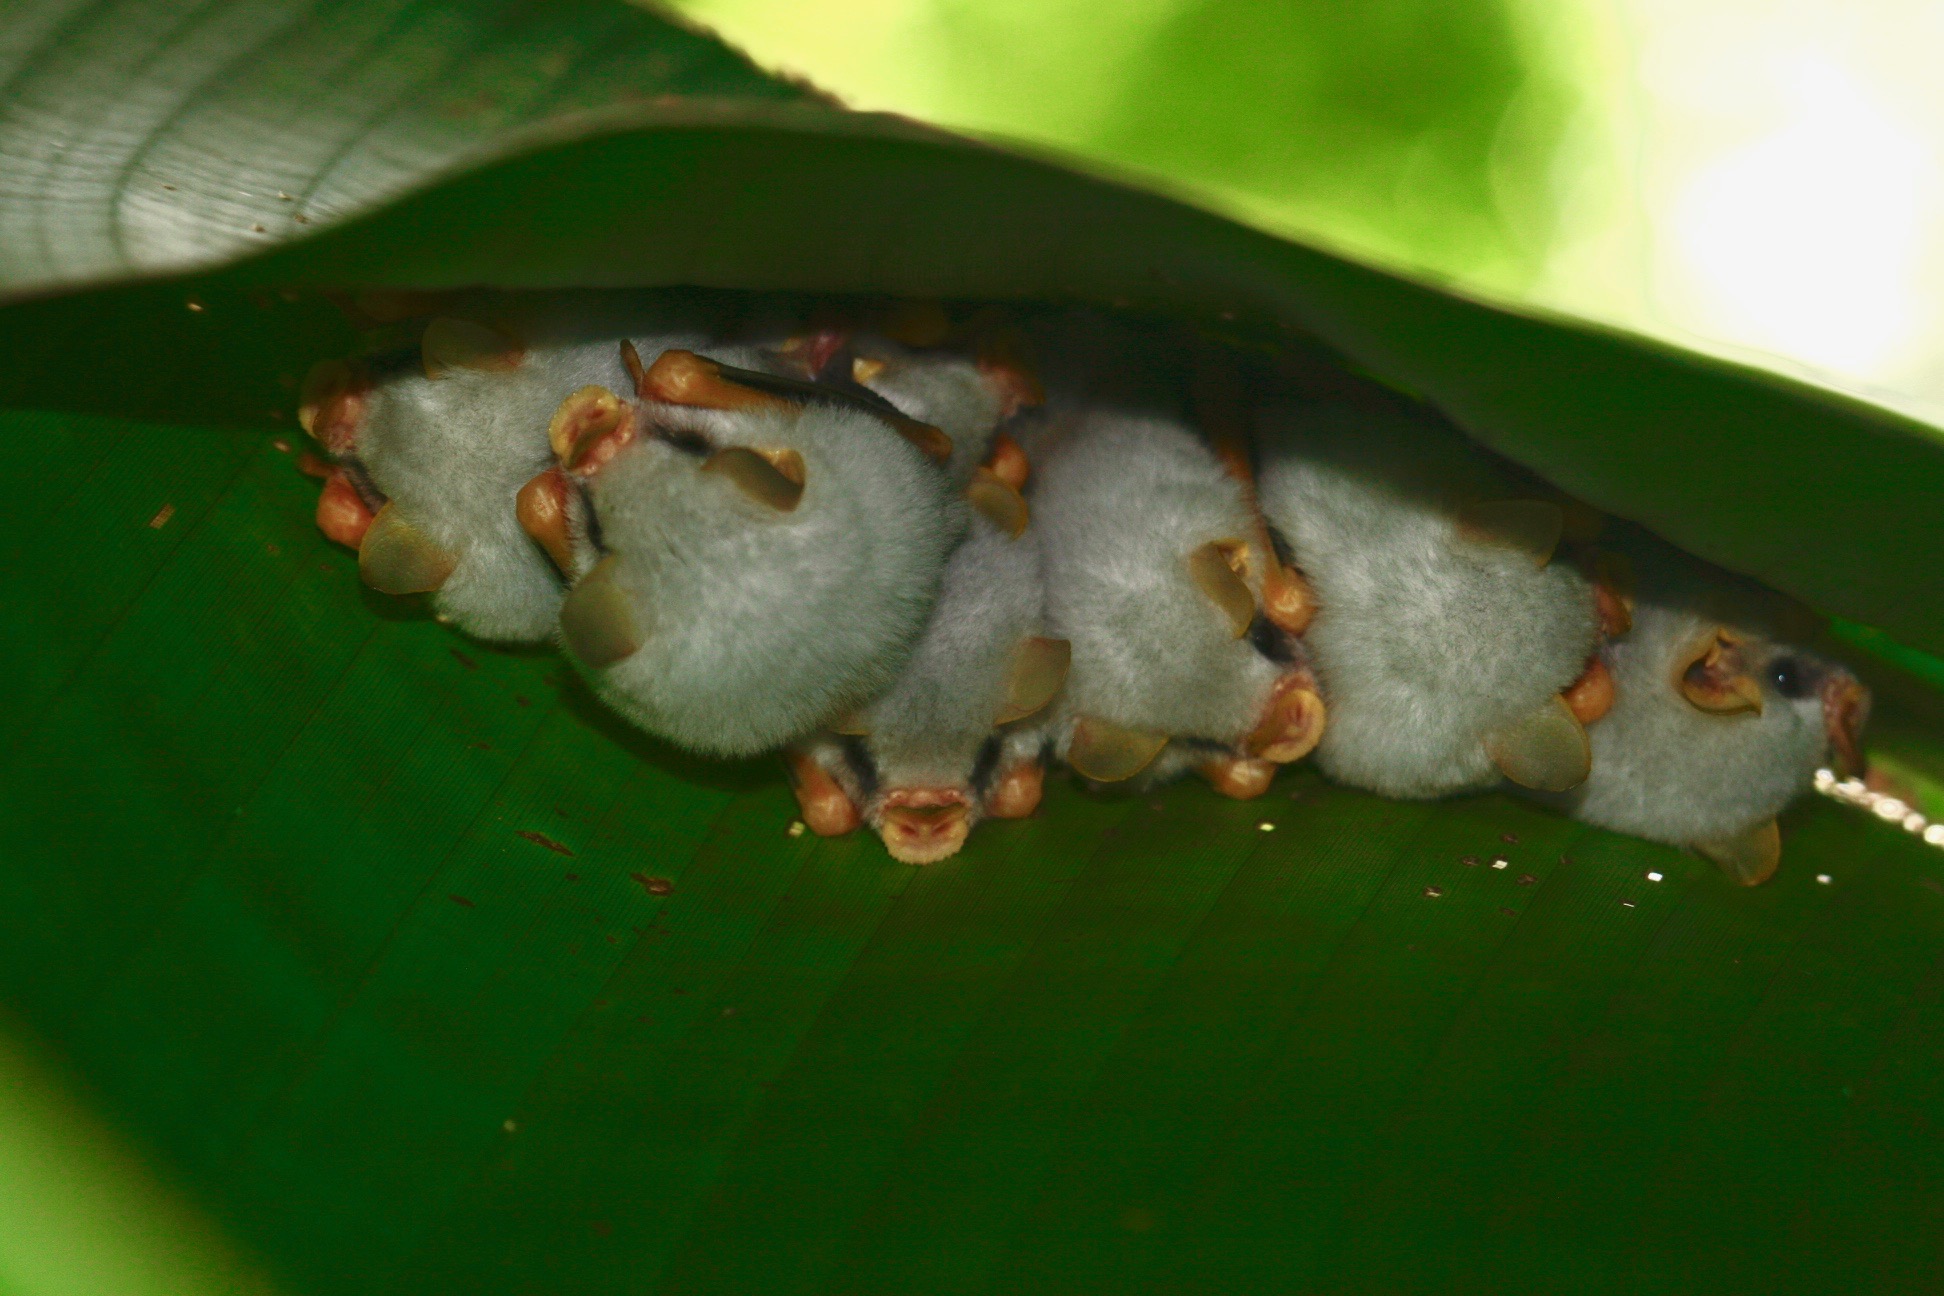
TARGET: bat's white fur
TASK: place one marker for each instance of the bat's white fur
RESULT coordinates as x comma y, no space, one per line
1423,643
452,453
1121,501
928,730
761,625
1662,768
945,390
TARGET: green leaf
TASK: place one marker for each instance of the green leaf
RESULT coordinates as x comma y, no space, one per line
322,896
350,919
82,1213
1419,134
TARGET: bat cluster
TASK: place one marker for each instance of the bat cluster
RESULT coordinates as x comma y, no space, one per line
923,557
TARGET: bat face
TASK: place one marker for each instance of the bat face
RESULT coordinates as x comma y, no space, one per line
954,741
750,560
1152,578
1718,722
1446,632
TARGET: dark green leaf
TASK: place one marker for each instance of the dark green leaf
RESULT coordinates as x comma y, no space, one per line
353,921
321,896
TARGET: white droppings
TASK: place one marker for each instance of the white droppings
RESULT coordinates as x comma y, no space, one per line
1824,878
1265,826
1884,806
1501,862
1653,877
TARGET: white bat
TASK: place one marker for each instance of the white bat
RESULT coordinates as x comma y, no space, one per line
1451,646
1155,569
434,443
753,554
1718,722
953,741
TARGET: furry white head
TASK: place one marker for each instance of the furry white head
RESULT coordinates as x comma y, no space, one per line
1445,634
753,558
1717,722
954,740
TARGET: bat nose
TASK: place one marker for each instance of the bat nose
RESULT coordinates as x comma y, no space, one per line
925,833
1846,708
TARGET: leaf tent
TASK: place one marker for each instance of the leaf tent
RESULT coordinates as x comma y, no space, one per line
427,975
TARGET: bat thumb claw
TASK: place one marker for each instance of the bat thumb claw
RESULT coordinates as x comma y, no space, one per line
1109,753
596,622
1547,750
396,557
1750,858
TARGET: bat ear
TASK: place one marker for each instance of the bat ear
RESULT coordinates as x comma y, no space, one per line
1530,528
1613,591
1240,779
999,502
1018,791
1217,571
811,353
451,344
827,810
1590,696
396,557
1547,750
331,403
342,514
1750,858
1108,753
541,507
1287,599
1008,462
685,378
596,621
589,428
1039,669
1714,676
1292,724
772,477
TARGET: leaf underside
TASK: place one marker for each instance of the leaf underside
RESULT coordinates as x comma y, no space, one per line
321,896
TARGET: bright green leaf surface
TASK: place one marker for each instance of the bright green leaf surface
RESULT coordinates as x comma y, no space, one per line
1420,133
80,1214
351,919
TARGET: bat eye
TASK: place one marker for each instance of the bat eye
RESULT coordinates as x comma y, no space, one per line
1791,677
